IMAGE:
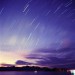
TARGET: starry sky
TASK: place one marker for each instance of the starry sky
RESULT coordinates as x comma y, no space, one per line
38,32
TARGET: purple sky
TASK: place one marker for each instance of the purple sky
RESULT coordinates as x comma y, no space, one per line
40,32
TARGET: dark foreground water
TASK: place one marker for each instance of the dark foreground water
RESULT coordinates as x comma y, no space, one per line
34,73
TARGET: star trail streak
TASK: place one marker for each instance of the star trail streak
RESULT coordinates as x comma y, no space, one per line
39,31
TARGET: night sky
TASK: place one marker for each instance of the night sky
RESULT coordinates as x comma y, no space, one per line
37,32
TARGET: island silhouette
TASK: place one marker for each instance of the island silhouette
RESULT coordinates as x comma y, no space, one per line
33,68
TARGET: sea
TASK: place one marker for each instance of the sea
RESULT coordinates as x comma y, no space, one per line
34,73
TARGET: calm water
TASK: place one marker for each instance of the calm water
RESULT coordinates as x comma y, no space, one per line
34,73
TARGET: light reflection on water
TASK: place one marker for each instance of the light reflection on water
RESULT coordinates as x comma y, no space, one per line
34,73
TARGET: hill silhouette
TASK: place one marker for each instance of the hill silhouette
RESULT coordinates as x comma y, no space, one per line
31,68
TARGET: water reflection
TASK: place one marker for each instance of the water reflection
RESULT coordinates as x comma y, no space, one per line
34,73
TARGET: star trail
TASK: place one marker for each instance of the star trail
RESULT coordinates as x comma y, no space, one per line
41,32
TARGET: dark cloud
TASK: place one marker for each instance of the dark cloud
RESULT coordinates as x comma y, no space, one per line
7,65
21,62
63,57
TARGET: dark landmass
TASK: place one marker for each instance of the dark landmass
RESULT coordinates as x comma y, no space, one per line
33,68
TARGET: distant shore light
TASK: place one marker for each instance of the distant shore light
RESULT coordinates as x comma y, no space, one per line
35,71
73,72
